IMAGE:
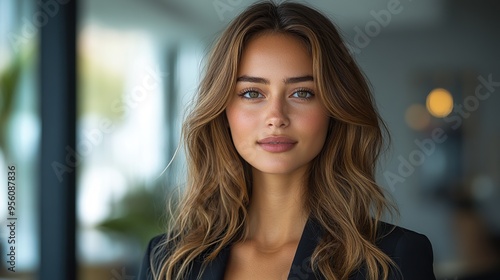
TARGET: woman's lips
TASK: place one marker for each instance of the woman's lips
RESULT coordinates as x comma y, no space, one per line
277,144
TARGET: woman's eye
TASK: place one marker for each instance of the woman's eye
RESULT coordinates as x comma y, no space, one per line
303,94
251,94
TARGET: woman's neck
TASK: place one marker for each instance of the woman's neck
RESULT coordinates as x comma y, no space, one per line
277,213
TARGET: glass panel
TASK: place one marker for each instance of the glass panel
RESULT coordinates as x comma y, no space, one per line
19,139
133,81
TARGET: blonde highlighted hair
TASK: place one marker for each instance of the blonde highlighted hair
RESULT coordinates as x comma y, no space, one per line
342,197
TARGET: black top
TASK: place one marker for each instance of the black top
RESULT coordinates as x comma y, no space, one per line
411,251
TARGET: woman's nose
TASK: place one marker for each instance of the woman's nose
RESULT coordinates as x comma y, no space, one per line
277,115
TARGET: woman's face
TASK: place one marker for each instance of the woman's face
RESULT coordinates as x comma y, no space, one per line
277,122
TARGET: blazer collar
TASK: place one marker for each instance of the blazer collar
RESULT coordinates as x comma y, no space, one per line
300,268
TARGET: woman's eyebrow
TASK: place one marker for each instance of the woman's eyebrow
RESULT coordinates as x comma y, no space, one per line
291,80
250,79
294,80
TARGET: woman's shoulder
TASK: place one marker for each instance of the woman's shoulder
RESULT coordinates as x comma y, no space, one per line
411,251
392,237
156,251
155,241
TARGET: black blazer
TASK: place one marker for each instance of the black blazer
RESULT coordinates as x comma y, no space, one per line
411,251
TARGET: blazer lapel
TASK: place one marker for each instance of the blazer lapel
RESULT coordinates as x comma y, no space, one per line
301,264
214,270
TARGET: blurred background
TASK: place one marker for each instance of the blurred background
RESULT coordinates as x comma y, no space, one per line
93,93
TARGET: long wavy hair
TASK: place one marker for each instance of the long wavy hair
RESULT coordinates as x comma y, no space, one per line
343,197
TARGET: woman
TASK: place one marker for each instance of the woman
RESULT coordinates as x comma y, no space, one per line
281,148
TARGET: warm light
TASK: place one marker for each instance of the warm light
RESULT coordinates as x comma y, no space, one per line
439,103
417,117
